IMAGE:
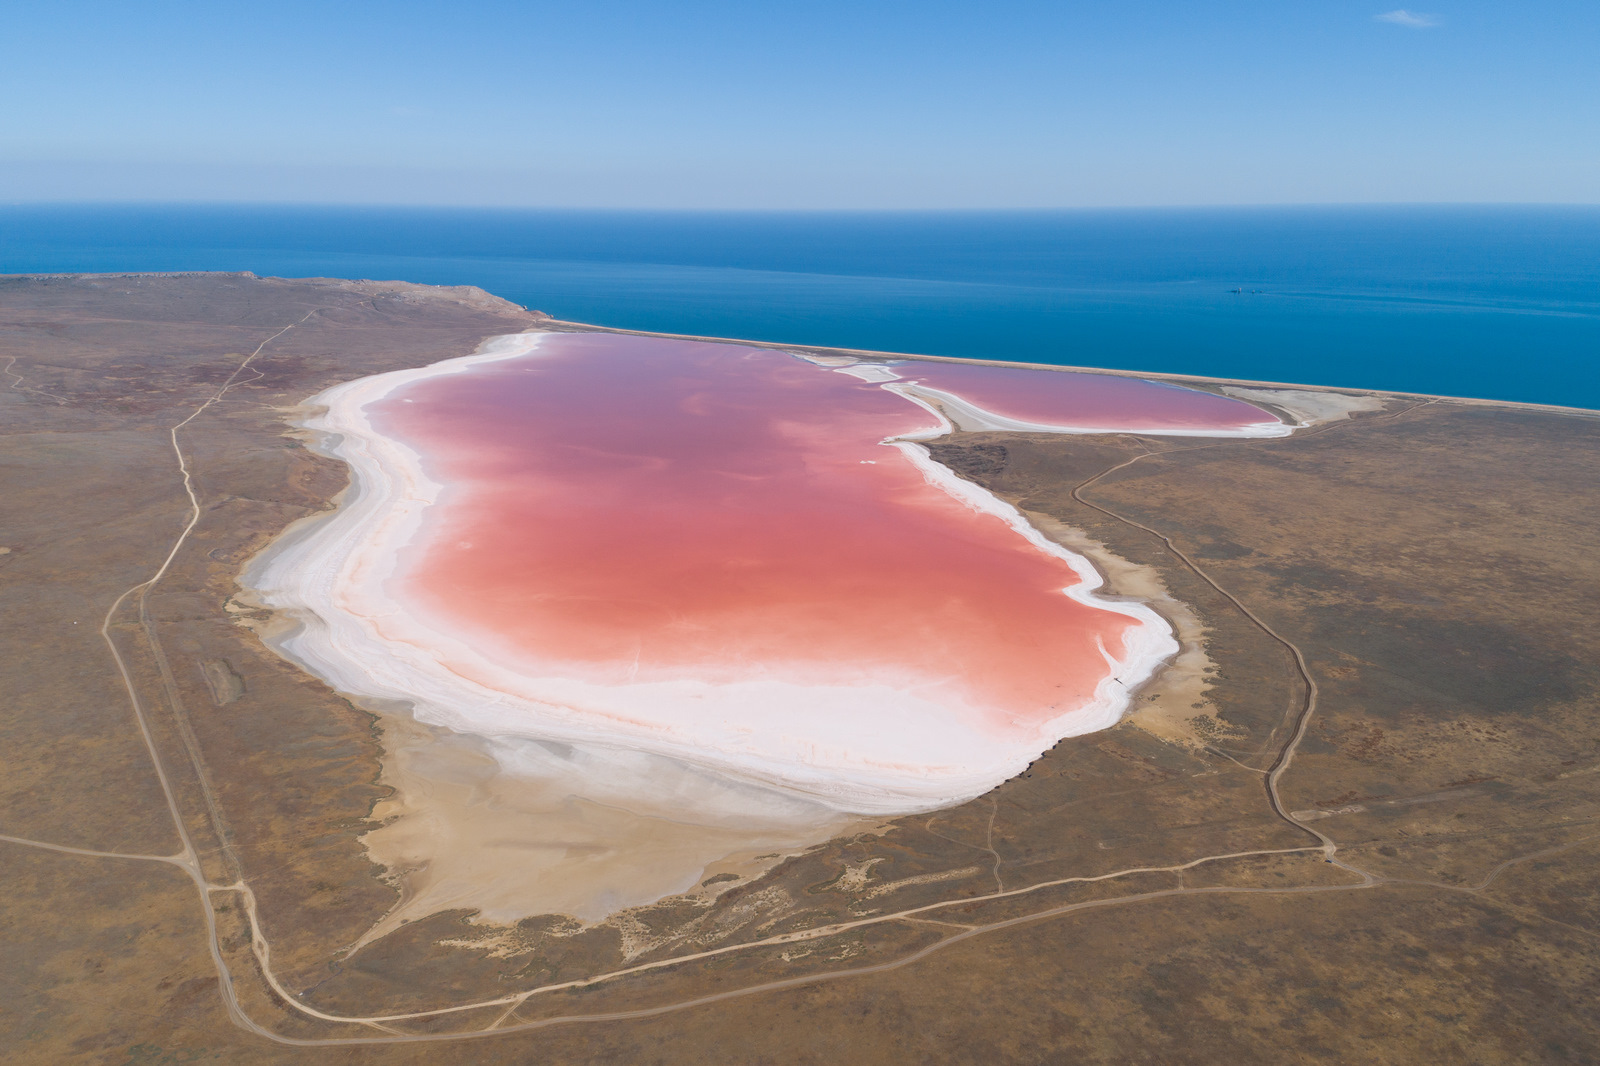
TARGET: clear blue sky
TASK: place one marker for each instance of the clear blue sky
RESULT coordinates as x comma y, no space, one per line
702,103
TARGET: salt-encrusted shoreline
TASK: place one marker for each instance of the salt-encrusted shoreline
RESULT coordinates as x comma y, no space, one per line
330,579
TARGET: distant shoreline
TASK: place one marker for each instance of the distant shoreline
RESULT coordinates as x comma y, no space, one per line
572,325
1409,302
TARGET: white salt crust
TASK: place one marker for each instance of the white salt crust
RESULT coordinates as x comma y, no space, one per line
1311,407
886,744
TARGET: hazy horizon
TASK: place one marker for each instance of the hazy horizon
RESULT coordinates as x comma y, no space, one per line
708,104
221,201
84,184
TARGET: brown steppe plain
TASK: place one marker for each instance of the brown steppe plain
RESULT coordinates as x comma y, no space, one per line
1396,614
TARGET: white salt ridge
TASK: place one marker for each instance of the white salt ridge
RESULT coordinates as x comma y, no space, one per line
886,745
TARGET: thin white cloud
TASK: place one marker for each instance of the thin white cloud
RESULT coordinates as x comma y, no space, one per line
1401,17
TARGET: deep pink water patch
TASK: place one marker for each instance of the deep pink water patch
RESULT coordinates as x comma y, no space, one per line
1101,401
622,509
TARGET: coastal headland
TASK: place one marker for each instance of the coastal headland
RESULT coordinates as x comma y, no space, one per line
1355,815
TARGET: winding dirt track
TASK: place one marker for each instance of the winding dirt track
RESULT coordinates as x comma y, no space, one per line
189,861
16,383
1308,702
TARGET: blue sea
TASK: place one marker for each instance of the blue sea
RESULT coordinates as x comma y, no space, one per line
1496,302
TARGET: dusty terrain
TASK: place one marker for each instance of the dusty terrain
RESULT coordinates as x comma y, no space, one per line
1395,646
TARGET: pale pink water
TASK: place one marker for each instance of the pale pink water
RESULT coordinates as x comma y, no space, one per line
622,509
1058,397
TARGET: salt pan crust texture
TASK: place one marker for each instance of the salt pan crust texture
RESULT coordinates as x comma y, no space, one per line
706,555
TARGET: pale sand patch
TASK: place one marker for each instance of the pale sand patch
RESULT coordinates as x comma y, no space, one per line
923,879
224,682
460,832
1307,407
1172,704
855,875
1314,814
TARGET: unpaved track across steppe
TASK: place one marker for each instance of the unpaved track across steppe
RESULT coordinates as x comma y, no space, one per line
16,382
1300,718
188,858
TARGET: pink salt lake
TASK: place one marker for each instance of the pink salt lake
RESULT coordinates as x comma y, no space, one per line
621,510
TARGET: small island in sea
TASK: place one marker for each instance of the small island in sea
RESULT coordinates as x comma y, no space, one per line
402,671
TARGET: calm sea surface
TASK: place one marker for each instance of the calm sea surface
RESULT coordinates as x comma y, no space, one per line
1491,302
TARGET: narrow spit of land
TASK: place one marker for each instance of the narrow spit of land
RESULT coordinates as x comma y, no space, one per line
1254,747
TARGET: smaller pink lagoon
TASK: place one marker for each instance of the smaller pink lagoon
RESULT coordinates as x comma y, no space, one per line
1015,398
737,558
